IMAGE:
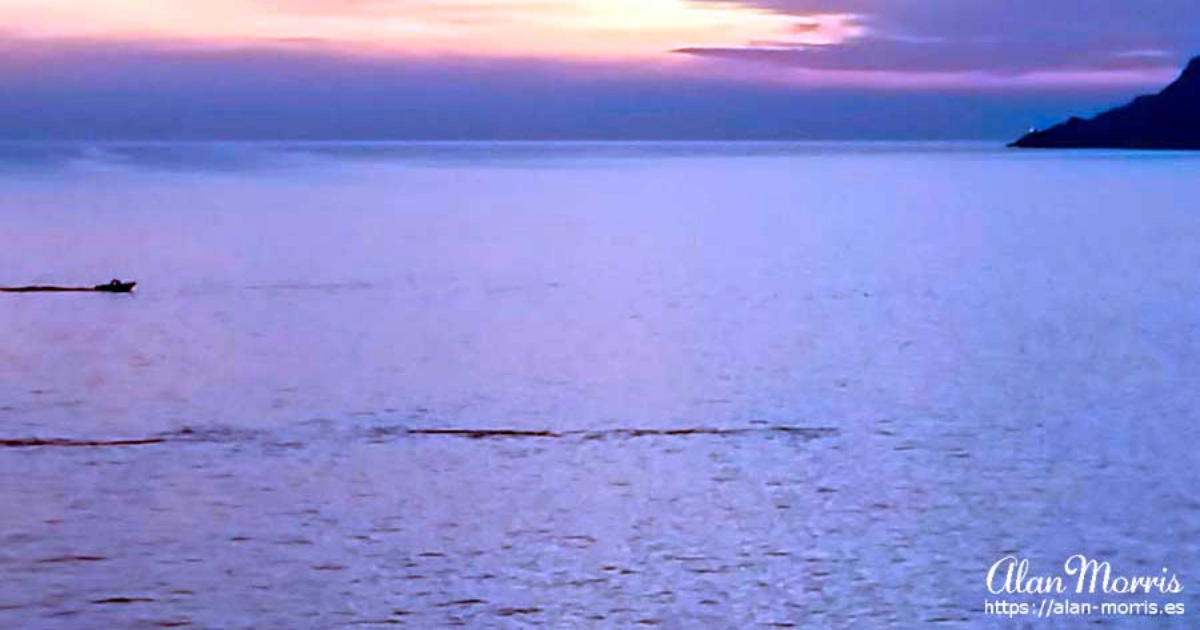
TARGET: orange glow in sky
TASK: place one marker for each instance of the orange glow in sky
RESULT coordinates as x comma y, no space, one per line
560,29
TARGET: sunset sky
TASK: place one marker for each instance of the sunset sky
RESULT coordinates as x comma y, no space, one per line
575,68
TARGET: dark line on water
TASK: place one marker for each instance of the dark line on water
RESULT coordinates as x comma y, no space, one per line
45,289
36,442
190,435
123,600
63,559
481,434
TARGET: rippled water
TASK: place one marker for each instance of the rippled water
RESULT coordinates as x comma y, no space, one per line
582,385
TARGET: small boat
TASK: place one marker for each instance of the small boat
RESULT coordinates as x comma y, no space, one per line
114,286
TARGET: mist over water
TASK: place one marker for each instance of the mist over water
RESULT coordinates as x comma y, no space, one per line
592,385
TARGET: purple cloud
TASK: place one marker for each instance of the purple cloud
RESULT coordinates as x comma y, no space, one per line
303,90
1001,37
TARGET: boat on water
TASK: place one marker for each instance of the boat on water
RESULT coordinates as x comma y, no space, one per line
113,286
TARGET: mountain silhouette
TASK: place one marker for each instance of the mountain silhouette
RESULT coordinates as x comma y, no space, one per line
1167,120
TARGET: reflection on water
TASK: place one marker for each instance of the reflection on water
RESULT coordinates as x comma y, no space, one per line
587,385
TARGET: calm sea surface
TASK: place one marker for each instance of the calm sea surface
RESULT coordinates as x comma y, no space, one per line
572,385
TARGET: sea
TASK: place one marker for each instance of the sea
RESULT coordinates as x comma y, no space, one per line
595,385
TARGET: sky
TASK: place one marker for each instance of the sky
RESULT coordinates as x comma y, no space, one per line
576,69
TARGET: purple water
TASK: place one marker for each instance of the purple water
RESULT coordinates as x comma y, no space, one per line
716,385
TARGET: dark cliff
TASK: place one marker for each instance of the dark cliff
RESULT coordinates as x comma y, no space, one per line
1167,120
